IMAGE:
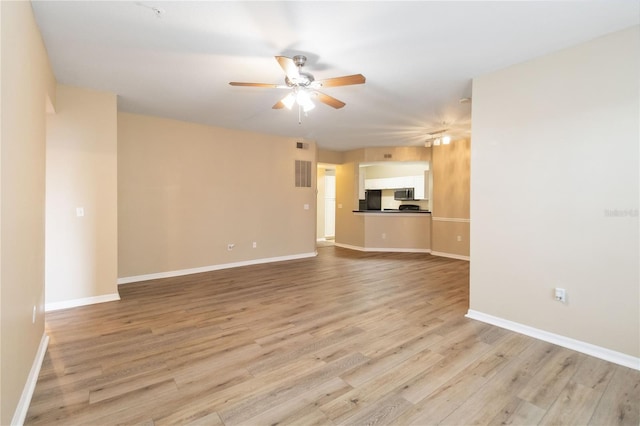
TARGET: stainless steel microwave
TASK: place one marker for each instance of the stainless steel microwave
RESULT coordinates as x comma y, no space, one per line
403,194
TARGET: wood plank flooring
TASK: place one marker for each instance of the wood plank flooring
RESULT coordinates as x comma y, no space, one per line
346,338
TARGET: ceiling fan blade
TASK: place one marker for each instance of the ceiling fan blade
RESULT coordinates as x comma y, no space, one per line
288,66
330,100
342,81
236,83
286,102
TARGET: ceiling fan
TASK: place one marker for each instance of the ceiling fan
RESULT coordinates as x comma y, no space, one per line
304,86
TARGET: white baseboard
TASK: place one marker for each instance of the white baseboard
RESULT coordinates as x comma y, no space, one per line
566,342
27,393
56,306
450,255
450,219
384,249
350,247
181,272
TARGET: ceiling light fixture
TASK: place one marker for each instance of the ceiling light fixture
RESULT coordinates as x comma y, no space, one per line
304,100
433,141
300,96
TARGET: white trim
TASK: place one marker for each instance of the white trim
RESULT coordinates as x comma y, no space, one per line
566,342
384,249
451,255
450,219
180,272
27,393
348,246
56,306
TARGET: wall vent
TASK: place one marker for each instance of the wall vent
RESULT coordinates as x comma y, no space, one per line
303,174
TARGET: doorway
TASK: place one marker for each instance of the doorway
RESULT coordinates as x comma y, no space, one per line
326,202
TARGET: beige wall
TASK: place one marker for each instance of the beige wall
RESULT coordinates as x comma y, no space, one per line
81,252
27,80
349,227
186,191
320,203
397,153
397,231
450,238
330,157
555,156
450,173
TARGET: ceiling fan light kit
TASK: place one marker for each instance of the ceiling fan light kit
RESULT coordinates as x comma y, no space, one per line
304,86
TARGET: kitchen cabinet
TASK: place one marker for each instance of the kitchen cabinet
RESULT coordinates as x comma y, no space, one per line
373,183
418,185
389,183
422,186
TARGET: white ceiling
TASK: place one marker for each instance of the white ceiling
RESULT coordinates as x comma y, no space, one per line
419,58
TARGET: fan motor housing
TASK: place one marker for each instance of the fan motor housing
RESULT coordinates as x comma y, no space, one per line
303,80
299,60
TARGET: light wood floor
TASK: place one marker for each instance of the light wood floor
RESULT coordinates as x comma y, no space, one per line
344,338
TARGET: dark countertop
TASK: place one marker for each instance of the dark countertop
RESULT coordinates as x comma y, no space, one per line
390,211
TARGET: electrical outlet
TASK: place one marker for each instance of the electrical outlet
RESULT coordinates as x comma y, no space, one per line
561,295
230,246
459,238
255,244
384,236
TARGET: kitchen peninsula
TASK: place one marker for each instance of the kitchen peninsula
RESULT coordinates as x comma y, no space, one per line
395,230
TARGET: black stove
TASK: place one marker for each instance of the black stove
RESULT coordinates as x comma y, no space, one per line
409,207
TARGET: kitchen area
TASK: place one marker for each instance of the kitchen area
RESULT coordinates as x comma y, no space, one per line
403,199
394,187
394,205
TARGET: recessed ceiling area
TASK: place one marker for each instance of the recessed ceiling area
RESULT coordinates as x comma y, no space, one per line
176,59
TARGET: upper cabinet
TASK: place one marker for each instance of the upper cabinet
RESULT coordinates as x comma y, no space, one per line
425,180
389,183
421,191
